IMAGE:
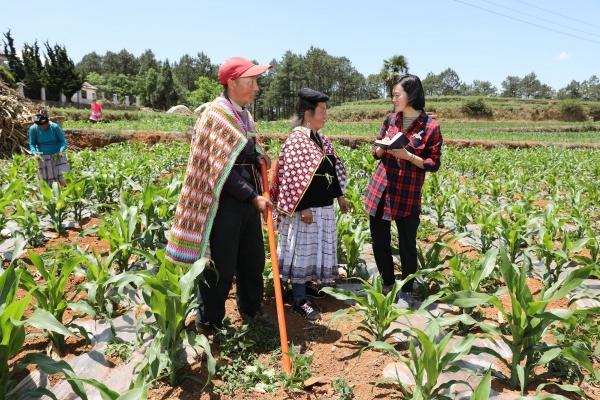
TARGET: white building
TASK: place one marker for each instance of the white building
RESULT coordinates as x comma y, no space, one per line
85,95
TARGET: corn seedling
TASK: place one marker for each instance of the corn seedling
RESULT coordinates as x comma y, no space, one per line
377,311
352,234
528,321
51,293
12,338
429,362
54,203
29,222
78,192
171,296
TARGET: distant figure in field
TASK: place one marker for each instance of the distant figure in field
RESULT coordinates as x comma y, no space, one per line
48,144
96,112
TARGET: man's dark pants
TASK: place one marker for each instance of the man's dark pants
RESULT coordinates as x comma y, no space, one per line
237,249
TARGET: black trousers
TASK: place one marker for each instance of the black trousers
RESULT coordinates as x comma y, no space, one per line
407,244
237,249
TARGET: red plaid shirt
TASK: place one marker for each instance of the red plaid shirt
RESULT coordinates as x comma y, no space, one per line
401,179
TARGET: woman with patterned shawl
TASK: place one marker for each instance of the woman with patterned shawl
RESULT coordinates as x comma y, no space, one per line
218,214
308,176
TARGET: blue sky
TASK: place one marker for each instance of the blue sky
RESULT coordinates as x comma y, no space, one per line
479,39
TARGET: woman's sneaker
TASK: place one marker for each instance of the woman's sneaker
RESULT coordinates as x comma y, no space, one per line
405,300
313,290
307,310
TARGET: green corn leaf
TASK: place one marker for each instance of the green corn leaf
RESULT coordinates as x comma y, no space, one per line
483,390
44,320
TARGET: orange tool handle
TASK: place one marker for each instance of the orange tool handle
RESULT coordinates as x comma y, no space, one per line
287,366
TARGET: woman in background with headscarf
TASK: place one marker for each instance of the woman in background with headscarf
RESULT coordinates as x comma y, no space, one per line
48,144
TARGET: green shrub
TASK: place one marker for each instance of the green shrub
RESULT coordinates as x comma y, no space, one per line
594,111
571,110
477,107
7,77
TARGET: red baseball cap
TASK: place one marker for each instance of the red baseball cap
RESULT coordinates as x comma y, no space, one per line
239,67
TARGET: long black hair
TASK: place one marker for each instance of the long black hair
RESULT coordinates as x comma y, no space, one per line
414,89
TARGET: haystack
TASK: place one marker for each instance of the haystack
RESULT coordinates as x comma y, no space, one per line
16,116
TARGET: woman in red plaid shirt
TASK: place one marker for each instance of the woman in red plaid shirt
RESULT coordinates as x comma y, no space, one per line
394,192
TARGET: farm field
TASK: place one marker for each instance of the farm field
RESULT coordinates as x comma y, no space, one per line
509,241
559,132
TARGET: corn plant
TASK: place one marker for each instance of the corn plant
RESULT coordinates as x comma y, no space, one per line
438,196
514,234
171,296
51,293
12,338
138,389
23,169
101,279
122,230
78,191
377,310
579,207
487,221
10,192
432,263
528,322
352,234
556,261
103,187
483,390
157,206
463,208
494,187
29,222
470,276
592,243
431,361
54,203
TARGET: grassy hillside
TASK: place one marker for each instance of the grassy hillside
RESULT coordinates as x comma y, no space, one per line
465,118
470,109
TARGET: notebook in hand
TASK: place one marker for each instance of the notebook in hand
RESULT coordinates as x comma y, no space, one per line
397,142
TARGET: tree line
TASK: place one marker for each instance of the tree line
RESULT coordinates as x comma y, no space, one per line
57,73
192,80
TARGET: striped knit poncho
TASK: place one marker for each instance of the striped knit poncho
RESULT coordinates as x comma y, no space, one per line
219,139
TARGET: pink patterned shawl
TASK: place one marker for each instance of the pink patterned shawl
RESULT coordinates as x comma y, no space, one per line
296,165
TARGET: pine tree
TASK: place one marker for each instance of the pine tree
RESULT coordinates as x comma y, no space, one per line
62,75
165,87
151,80
15,65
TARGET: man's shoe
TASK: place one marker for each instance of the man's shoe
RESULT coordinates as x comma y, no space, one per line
405,300
259,316
313,290
307,310
209,330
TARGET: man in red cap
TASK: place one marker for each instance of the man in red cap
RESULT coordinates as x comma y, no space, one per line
218,214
